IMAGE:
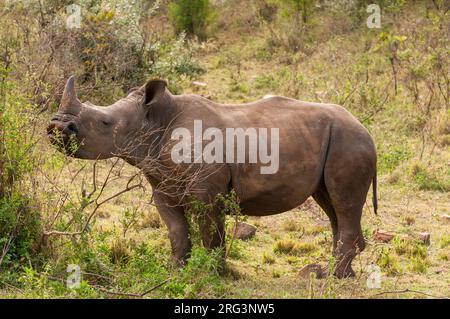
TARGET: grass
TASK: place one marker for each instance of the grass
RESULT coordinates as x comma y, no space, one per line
119,251
151,220
268,259
430,180
290,247
389,263
418,265
257,271
445,241
409,248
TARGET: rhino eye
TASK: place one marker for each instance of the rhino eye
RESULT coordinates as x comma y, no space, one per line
106,123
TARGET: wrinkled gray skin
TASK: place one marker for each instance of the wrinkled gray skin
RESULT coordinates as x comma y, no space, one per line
324,153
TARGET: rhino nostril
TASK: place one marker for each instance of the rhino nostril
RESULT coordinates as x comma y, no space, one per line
72,128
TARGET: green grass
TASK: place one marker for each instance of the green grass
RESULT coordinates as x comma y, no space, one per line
290,247
445,241
427,180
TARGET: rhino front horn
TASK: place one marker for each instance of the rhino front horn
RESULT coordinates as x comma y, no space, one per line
69,96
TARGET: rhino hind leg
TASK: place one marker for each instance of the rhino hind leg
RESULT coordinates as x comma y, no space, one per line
350,242
347,238
347,199
350,166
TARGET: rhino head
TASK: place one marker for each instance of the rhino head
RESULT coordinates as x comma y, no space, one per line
87,131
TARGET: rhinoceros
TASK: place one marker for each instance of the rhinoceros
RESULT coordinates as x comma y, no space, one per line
324,153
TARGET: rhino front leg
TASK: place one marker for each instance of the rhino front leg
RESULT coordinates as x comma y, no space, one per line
213,230
174,218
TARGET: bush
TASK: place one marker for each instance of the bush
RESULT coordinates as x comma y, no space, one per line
15,142
174,61
20,227
191,16
295,18
20,230
108,53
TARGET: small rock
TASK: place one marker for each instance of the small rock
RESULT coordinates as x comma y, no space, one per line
244,231
424,238
317,269
382,236
199,84
445,218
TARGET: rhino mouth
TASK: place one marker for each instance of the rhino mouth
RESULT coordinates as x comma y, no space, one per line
63,135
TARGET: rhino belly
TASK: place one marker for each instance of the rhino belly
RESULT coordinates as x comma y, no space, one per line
272,194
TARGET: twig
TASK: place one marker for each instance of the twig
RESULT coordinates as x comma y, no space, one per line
11,286
408,290
129,294
98,203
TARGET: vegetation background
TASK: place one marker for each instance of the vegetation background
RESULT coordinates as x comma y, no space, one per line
56,211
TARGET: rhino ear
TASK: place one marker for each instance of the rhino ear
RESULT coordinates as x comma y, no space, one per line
153,89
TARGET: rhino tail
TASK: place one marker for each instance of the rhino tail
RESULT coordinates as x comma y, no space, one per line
374,189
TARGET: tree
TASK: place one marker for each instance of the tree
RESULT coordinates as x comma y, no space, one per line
299,12
191,16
